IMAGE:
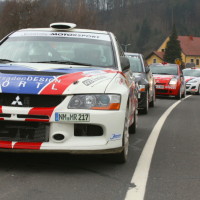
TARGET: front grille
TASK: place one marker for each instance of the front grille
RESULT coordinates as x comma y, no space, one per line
187,86
162,91
25,116
87,130
160,83
30,100
24,131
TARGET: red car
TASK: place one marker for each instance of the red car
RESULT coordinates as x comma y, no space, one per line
169,80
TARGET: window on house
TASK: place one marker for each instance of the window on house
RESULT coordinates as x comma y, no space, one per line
163,50
197,61
192,60
154,60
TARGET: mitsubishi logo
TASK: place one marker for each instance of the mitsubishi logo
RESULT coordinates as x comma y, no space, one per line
17,101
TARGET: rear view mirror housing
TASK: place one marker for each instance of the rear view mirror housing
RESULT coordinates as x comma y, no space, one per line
147,69
125,64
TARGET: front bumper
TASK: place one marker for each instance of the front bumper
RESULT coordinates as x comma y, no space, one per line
167,90
192,88
111,123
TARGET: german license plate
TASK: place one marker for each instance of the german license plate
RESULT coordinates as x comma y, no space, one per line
159,86
72,117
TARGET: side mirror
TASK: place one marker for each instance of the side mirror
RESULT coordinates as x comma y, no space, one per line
147,69
125,64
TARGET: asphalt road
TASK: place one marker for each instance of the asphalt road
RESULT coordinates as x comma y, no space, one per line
174,172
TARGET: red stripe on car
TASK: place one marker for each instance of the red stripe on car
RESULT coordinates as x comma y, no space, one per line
1,118
27,145
6,144
59,85
41,111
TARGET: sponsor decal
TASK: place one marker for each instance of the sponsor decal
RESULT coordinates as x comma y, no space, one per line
88,82
61,83
24,84
92,36
116,136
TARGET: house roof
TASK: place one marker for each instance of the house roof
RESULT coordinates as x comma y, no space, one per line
190,45
157,53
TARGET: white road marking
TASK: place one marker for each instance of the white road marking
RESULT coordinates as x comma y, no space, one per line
140,176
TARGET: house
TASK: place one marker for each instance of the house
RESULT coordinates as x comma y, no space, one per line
190,51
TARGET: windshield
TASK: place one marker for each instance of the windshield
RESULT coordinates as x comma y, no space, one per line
164,69
135,63
192,72
36,48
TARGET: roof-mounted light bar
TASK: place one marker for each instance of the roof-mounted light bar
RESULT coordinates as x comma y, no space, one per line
62,26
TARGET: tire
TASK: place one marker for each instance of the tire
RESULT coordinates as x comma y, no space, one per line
132,128
152,103
184,94
146,108
179,95
122,156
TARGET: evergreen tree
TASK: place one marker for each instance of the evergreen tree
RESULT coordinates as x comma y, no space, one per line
173,48
144,36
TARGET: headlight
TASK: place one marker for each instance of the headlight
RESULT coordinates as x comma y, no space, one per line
95,102
141,88
173,81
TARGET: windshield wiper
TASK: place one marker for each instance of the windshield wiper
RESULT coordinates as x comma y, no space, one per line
65,62
5,60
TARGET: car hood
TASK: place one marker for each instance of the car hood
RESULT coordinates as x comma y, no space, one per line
163,78
48,79
188,78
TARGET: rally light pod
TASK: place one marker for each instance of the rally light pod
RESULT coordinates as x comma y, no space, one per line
62,26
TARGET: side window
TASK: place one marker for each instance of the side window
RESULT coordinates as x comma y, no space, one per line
154,60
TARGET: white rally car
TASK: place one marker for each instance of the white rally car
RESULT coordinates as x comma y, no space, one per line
192,79
64,89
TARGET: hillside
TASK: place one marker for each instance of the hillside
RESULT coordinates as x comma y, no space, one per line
142,23
146,24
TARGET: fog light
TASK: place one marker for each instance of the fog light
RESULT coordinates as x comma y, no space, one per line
58,137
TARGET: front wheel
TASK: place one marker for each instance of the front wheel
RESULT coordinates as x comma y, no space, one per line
179,95
184,94
152,103
146,108
123,155
132,128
